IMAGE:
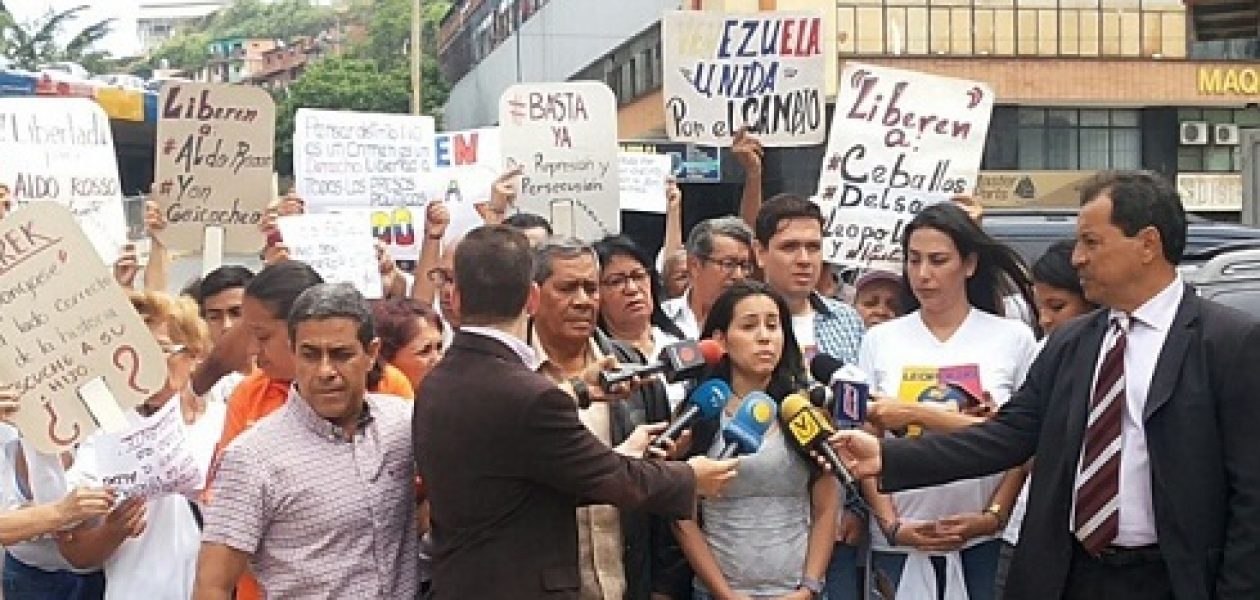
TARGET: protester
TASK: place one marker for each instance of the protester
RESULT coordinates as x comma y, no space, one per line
411,336
143,533
506,458
1060,298
1121,506
951,269
319,497
395,282
35,506
770,533
621,553
629,288
719,253
268,300
437,218
674,275
877,296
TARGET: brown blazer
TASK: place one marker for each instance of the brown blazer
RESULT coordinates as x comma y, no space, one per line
506,461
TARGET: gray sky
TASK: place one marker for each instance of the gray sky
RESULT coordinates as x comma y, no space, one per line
122,40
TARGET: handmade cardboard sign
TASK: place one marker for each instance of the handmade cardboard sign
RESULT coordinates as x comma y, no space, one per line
564,136
72,348
900,141
340,249
764,71
214,163
61,150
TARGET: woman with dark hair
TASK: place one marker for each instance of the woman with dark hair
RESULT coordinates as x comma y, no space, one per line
1057,287
771,532
629,310
940,367
411,336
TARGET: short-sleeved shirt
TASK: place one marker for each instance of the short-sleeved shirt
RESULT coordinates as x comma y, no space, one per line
320,515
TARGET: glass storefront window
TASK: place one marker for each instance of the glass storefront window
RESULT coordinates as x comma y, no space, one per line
1063,139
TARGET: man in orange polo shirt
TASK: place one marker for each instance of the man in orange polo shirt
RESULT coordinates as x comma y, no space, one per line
264,313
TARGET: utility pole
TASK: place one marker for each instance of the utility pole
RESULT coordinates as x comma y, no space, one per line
416,50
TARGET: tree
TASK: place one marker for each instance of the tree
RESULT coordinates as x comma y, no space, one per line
34,44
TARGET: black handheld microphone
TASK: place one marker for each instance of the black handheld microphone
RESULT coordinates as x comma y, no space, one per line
704,403
687,359
809,427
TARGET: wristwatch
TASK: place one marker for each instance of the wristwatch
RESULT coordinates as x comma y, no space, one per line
814,586
995,509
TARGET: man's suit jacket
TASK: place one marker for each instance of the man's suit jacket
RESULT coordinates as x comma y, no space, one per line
1202,421
506,462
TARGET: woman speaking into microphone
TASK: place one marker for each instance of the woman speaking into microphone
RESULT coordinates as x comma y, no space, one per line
770,533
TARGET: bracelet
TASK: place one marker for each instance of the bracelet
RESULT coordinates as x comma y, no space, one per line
432,237
997,514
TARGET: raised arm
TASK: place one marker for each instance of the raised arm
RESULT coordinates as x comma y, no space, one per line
749,153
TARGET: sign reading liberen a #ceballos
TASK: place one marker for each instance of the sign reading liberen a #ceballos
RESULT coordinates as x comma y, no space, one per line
369,164
900,141
65,322
339,248
61,150
214,164
564,136
763,71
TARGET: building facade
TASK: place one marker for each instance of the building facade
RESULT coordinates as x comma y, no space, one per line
1081,85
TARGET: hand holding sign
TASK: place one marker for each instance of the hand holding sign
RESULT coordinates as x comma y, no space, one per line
436,218
73,347
748,151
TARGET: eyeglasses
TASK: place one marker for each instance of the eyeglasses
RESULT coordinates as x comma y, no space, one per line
619,280
440,277
728,265
174,349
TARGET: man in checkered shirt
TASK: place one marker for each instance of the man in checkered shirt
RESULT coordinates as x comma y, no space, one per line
318,497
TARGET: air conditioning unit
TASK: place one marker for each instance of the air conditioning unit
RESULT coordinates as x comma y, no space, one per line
1194,133
1225,135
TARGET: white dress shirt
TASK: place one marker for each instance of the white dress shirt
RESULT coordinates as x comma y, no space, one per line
1148,328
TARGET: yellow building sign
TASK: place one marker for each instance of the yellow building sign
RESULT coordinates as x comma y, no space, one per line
1229,81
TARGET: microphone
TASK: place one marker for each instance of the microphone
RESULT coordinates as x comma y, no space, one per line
743,434
809,427
687,359
704,403
850,390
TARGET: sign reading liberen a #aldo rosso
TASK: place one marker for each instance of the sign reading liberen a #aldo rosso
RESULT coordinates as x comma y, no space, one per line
214,164
64,322
900,141
764,71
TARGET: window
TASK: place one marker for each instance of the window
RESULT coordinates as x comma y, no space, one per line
1213,157
1063,139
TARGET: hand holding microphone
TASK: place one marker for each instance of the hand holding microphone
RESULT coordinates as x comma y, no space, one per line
704,403
687,359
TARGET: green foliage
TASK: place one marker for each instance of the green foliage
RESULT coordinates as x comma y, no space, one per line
30,45
340,83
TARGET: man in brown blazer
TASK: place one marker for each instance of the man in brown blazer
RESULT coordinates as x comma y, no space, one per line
503,454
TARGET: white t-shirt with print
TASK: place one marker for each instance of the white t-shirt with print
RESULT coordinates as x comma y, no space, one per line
1003,349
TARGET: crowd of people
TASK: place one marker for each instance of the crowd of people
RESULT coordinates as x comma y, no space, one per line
457,438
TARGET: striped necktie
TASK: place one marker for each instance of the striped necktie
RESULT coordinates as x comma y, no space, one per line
1098,488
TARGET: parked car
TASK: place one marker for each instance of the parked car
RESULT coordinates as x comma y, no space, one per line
1231,277
1031,232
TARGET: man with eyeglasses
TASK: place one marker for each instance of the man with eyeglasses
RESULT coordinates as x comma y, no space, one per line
719,253
621,554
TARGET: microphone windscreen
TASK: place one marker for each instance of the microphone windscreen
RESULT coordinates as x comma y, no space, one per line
823,366
712,352
749,424
709,397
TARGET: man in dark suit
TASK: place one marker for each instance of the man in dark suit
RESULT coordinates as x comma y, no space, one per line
1143,418
502,452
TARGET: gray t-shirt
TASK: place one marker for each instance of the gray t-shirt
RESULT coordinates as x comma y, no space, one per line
759,528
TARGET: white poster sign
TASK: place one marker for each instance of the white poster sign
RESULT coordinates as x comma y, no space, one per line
643,181
338,248
62,150
151,458
900,141
564,136
67,324
765,71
